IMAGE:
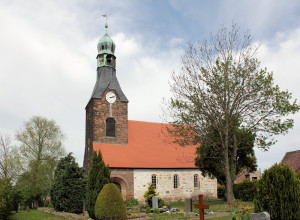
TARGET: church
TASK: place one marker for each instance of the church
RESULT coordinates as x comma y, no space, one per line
137,152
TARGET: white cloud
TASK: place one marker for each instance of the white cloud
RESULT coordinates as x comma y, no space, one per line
49,69
281,55
48,65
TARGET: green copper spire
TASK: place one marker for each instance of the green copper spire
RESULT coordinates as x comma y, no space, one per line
106,48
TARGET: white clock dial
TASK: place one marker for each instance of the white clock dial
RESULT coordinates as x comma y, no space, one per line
111,97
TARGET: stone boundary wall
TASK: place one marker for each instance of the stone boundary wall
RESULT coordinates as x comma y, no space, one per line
66,214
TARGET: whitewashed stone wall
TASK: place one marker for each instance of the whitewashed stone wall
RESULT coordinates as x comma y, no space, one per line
165,184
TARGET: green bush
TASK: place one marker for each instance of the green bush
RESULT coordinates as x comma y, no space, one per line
110,204
148,210
245,190
278,193
221,191
6,198
149,194
132,202
50,205
156,211
99,175
161,202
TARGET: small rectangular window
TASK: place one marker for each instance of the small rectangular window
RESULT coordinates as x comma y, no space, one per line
196,180
176,181
154,181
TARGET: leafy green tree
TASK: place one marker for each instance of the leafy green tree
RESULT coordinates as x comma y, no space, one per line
279,193
17,199
99,175
40,148
210,159
222,86
150,193
68,188
6,198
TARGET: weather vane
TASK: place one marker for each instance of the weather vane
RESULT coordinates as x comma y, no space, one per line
106,25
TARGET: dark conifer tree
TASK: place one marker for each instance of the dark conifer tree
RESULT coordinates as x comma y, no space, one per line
68,188
99,175
278,193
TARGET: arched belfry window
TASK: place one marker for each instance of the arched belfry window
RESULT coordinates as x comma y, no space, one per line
110,127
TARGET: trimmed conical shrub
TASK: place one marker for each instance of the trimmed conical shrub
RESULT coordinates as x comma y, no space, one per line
99,175
110,204
279,193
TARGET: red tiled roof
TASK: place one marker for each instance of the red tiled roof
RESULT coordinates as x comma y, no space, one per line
148,147
292,159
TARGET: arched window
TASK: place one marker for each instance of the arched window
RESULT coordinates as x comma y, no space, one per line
196,179
110,127
154,180
176,181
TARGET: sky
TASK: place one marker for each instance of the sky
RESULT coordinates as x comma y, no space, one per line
48,55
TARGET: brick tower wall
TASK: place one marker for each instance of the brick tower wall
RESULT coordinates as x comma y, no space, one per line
97,111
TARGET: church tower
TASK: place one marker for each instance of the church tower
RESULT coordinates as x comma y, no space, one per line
107,109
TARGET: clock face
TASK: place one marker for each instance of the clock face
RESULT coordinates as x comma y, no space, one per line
111,97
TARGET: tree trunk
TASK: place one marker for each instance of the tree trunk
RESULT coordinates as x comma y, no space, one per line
234,157
35,203
229,186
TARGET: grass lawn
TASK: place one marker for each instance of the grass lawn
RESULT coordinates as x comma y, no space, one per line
180,216
34,215
217,205
164,216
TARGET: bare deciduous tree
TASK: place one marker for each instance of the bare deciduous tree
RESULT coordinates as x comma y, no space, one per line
221,86
9,159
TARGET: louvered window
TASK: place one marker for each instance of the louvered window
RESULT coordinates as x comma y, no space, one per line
110,127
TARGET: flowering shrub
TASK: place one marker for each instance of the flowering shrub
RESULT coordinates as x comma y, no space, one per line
133,215
241,211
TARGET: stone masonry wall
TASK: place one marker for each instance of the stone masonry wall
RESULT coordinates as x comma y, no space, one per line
165,184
